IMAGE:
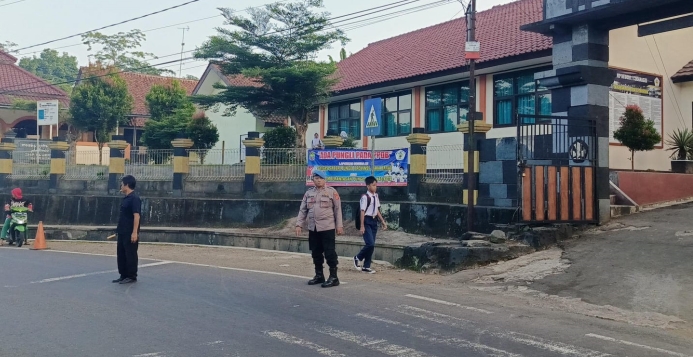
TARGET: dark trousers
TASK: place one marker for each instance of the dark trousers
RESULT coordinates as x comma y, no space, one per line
370,226
323,243
127,256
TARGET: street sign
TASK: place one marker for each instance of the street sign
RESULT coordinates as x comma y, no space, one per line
472,49
372,122
47,112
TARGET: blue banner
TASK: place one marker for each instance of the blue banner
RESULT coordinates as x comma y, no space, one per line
351,167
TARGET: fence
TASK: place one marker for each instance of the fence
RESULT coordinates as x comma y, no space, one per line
444,164
150,165
27,165
85,165
283,164
216,165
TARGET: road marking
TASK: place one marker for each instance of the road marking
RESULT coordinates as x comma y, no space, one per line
627,343
528,340
155,354
448,303
439,339
381,346
281,336
50,280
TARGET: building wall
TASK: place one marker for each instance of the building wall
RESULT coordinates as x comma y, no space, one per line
664,55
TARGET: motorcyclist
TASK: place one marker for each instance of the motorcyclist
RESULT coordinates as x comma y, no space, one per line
16,201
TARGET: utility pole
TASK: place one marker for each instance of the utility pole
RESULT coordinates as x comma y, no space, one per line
472,53
182,47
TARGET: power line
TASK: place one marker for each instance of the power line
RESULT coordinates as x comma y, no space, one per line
673,94
420,8
111,25
18,1
377,19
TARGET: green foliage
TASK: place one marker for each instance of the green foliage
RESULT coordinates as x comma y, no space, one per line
53,67
120,50
280,137
349,143
191,77
165,101
100,104
342,55
274,46
7,46
202,132
636,133
681,144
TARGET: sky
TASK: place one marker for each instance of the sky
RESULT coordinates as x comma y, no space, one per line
31,22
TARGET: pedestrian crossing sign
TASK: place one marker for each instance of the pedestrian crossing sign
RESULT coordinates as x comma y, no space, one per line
371,117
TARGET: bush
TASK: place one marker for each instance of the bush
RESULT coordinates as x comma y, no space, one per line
636,133
280,137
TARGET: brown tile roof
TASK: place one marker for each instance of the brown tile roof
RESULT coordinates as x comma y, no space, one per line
441,47
685,74
17,83
140,84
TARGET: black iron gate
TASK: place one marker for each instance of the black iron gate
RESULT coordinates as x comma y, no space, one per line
557,158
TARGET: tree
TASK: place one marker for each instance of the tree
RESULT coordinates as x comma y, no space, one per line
203,133
120,50
7,46
637,133
191,77
164,101
342,55
100,103
274,47
53,67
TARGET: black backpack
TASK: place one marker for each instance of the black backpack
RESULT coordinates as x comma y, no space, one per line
358,213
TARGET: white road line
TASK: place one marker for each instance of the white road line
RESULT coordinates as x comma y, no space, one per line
528,340
155,354
381,346
439,339
448,303
281,336
50,280
627,343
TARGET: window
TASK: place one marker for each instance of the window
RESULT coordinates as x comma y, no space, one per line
518,93
345,116
446,106
396,115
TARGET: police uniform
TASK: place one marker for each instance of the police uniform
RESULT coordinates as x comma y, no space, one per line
321,212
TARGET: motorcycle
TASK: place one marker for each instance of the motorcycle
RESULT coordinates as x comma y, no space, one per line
18,226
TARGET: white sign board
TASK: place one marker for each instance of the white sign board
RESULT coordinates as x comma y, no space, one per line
635,88
47,112
472,46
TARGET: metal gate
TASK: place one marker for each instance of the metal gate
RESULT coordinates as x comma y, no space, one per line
556,158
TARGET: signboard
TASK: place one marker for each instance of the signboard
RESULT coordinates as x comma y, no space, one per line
351,167
47,112
641,89
372,122
472,49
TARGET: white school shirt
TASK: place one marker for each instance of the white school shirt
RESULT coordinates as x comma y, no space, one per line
316,142
371,210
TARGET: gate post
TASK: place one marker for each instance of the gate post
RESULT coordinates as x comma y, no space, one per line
7,146
480,130
417,157
58,148
252,160
116,163
181,162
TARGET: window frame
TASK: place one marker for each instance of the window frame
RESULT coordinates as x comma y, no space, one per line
349,120
440,107
384,111
513,98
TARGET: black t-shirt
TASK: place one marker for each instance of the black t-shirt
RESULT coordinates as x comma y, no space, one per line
18,203
131,204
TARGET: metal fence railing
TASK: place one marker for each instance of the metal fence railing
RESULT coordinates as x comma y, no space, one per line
216,165
444,164
85,165
283,164
150,165
28,165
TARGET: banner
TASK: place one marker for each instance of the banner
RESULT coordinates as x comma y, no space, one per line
641,89
351,167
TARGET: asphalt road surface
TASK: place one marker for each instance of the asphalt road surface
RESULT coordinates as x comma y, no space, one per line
60,304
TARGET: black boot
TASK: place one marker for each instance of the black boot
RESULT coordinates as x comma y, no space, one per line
332,280
319,277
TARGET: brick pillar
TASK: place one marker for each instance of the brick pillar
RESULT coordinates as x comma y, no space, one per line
417,160
252,160
579,86
181,163
116,163
480,130
58,148
7,146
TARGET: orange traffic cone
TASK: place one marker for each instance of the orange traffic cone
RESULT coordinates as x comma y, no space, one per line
40,240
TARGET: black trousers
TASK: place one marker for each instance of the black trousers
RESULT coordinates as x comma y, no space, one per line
323,243
127,256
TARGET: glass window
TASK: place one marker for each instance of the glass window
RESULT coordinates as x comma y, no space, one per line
446,106
397,114
519,94
345,117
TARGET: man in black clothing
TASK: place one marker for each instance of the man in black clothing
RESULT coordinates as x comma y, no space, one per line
128,231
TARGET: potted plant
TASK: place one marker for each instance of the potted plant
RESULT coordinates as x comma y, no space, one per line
680,144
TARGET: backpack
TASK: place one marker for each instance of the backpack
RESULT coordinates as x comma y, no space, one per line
358,213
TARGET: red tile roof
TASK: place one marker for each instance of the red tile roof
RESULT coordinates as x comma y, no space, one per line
685,74
140,84
17,83
441,47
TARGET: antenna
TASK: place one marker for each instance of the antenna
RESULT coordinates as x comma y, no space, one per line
182,47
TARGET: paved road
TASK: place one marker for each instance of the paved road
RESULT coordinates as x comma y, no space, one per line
60,304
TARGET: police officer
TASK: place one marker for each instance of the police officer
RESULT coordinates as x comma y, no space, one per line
321,209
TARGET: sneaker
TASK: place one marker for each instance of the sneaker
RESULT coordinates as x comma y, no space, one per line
357,263
368,270
118,280
128,281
